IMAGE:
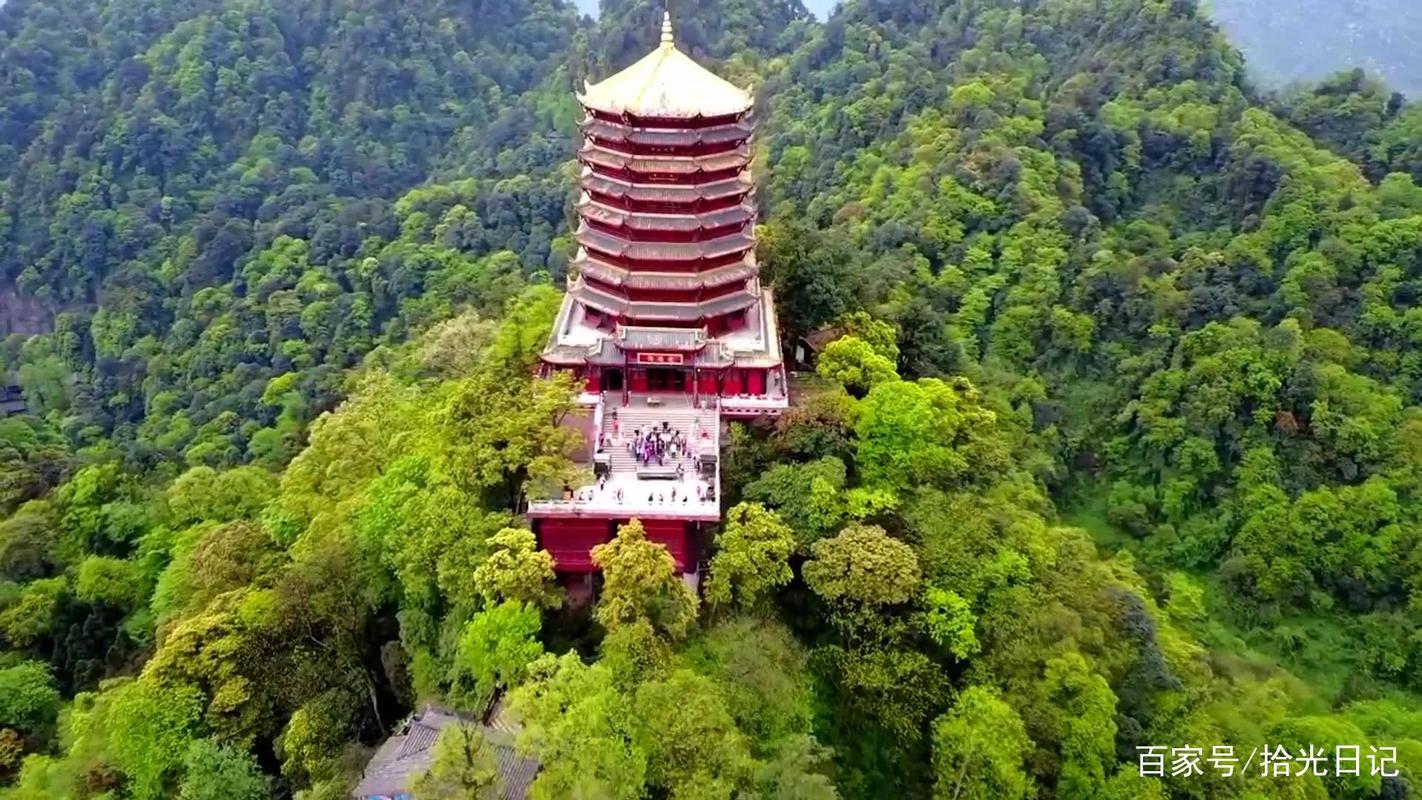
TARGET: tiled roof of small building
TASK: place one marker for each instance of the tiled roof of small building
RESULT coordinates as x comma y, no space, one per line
408,754
516,772
821,338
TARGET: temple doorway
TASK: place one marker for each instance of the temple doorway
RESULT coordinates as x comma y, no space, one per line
612,380
662,379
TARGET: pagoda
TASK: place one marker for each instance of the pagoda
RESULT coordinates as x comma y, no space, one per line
665,320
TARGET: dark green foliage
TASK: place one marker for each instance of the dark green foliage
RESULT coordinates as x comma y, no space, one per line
227,201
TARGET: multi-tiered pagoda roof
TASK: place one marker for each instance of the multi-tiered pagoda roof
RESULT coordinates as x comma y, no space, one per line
667,211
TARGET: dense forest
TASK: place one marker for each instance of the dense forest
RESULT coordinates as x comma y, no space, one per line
1121,446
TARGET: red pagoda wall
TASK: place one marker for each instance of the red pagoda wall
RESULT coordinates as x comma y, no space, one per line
570,541
675,535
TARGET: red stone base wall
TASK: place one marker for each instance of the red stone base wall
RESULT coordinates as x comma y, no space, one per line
570,541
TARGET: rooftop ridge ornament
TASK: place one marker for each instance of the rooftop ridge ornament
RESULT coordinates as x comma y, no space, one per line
666,84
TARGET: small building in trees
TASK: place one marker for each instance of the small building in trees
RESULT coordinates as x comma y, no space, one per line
12,398
809,346
407,755
665,319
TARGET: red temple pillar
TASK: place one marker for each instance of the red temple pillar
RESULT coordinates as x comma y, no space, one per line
710,381
732,385
757,382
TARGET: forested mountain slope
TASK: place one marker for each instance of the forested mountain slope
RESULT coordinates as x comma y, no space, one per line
1122,447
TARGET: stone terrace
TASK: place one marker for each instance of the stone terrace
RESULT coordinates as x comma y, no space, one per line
643,496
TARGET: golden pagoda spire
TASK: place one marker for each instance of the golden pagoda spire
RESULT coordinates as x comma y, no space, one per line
665,83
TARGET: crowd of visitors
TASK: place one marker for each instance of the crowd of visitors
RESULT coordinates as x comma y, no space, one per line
657,445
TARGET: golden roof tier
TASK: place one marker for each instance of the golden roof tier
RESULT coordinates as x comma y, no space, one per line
666,84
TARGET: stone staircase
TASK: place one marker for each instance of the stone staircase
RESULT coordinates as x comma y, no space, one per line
692,422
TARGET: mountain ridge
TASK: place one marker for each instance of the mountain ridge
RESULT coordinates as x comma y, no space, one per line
1315,39
1383,37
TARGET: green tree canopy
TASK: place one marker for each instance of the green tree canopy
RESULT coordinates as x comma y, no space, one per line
640,583
517,570
865,565
980,748
29,700
582,729
928,432
214,772
497,646
855,364
752,557
461,768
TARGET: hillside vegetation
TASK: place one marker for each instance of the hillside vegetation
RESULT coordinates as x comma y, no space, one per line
1122,446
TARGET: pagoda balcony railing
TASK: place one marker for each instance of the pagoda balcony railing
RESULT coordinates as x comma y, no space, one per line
694,178
691,236
684,268
697,206
684,146
667,123
668,149
666,265
597,270
737,185
706,249
744,124
742,215
659,295
662,314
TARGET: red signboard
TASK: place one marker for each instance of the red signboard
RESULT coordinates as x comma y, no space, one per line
673,359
